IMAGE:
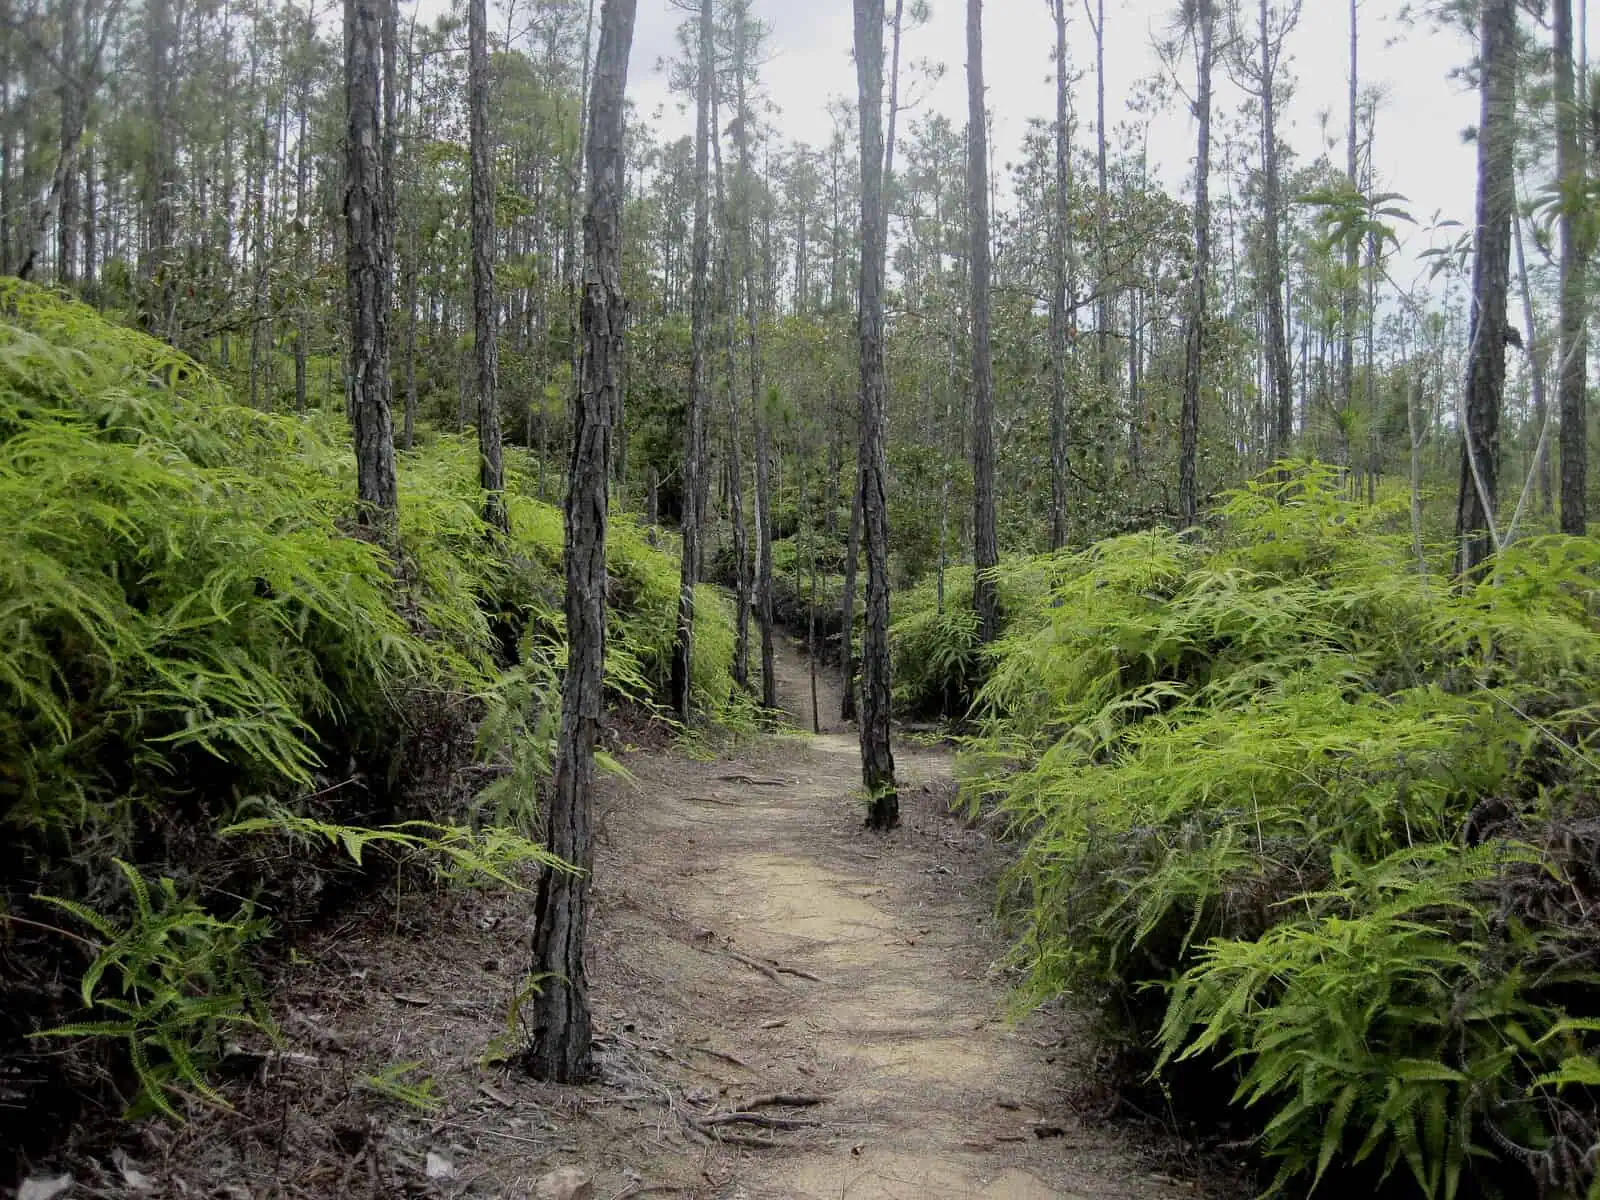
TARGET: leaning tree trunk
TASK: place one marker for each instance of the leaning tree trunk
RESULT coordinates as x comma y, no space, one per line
1491,279
1573,355
558,1013
365,268
700,323
877,759
985,542
1194,339
491,465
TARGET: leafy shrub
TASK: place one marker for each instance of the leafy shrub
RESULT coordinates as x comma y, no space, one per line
190,640
939,664
1295,811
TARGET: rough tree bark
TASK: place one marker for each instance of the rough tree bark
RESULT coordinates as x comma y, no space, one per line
365,269
1573,354
700,323
1491,279
491,466
559,1013
985,542
877,758
1194,335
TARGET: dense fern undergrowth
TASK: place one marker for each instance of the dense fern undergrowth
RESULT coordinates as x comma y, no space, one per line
1311,825
219,708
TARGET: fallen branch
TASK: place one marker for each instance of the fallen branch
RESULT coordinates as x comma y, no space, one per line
785,1100
769,971
727,1058
764,1120
757,781
748,1140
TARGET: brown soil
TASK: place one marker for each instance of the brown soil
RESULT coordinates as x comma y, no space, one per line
751,941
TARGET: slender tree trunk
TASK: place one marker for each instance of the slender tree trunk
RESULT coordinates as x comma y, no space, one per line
1103,308
366,215
559,1018
985,543
1272,260
763,515
1352,254
741,544
491,465
700,321
1194,340
852,554
1573,355
877,758
72,105
1058,296
1486,370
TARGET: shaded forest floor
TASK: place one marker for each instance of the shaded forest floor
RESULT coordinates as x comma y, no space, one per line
752,946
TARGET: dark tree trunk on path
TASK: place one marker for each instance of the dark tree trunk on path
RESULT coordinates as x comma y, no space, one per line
491,466
985,542
1573,356
365,268
1194,335
700,322
877,758
559,1012
1491,279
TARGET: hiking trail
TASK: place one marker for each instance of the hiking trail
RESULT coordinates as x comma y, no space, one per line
784,1005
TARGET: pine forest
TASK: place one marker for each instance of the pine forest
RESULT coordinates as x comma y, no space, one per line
759,598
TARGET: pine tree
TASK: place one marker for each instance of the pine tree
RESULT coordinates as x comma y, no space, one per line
559,1019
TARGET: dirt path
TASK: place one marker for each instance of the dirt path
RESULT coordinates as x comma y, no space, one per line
750,941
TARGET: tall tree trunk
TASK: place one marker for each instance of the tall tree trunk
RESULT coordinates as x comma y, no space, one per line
741,543
1352,255
491,467
366,215
763,517
985,542
877,758
1103,308
1491,269
852,555
1194,339
72,105
559,1018
1272,259
700,322
1058,297
1573,354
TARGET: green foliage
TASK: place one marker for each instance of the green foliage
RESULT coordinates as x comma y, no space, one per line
168,984
194,647
1297,812
406,1083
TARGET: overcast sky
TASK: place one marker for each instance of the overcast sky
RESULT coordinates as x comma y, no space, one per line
1419,149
